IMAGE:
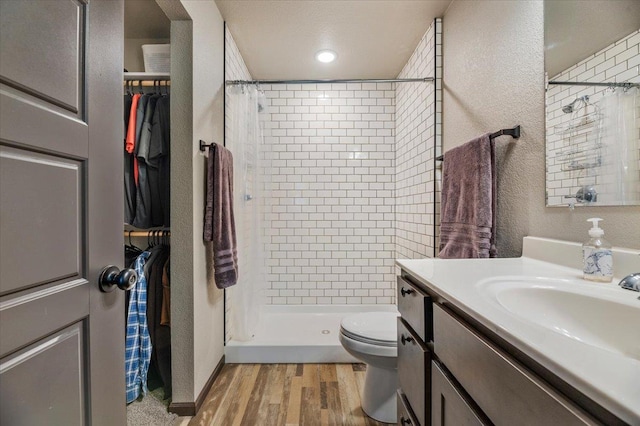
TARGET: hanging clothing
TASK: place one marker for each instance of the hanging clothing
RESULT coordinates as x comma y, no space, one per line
147,160
143,198
158,165
130,163
160,334
138,342
165,317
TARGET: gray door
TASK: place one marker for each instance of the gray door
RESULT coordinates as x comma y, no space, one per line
61,339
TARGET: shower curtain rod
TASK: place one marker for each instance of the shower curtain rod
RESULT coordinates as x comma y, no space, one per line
363,80
581,83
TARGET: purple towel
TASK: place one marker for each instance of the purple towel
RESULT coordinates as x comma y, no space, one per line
467,225
219,223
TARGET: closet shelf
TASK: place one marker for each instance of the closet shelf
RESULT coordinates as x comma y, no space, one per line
129,76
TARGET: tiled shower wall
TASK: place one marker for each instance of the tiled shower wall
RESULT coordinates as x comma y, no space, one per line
343,157
418,142
571,137
332,193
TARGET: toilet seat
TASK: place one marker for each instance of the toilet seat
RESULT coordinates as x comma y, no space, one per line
373,328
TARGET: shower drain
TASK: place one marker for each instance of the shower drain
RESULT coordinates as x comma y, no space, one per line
326,331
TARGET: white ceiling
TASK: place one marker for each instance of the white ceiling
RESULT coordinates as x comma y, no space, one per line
373,38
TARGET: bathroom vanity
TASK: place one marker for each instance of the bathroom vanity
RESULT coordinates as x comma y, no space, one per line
517,341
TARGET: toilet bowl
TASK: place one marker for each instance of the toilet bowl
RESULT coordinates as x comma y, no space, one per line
371,337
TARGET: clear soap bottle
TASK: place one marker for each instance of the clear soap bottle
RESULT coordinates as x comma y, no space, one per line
597,255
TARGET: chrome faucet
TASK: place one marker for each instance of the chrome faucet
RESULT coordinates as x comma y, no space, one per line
631,282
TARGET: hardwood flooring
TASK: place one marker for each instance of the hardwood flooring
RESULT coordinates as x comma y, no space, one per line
285,394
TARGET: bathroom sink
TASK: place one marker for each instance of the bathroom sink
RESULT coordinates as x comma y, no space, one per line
598,317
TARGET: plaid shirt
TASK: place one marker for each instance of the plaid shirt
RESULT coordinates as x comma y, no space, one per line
138,342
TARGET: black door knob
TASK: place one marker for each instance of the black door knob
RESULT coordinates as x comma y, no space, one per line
112,277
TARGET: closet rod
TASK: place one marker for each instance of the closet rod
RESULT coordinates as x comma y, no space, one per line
361,80
158,232
584,83
513,132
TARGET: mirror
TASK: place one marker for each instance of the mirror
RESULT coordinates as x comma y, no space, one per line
592,66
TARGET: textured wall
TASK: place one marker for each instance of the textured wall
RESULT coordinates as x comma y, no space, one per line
417,145
181,200
332,192
494,78
196,113
208,90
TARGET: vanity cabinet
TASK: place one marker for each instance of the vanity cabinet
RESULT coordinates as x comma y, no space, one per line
449,407
455,374
415,331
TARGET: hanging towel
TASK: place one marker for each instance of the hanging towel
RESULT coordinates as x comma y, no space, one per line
219,223
467,228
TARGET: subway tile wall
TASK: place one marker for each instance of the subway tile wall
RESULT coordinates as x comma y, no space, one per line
572,138
333,194
353,181
418,142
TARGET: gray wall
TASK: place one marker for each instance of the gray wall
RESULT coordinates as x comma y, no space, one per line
494,78
197,87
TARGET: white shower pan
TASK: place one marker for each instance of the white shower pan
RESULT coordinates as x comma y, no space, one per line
298,334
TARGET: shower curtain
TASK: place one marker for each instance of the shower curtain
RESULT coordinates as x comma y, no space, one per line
621,146
245,140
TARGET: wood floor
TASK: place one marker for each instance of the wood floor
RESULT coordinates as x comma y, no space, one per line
285,394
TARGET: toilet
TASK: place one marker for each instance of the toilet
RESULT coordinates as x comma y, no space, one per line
371,337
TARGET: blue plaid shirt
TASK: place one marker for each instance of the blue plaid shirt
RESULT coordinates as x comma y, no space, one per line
138,343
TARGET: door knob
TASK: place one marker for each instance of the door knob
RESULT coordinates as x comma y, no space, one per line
112,277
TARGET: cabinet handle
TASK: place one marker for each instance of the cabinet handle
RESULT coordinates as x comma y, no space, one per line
404,292
404,340
404,421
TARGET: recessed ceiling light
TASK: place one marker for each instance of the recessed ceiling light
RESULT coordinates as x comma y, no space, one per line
326,56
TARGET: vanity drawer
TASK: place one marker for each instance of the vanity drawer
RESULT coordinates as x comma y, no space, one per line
503,389
448,405
414,375
405,415
415,307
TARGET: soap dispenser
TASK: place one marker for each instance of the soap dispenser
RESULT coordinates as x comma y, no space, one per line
597,256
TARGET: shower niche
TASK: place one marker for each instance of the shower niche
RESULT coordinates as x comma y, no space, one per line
592,104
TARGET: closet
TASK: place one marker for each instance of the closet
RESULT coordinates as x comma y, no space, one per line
146,151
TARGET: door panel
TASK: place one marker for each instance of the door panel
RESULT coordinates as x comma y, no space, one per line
33,393
41,219
45,45
19,115
25,318
61,189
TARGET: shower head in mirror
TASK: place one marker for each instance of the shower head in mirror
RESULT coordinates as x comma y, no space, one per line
572,106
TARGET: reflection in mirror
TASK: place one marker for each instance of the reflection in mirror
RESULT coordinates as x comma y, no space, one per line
592,64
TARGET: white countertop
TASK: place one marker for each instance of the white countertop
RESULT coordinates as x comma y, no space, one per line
610,379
